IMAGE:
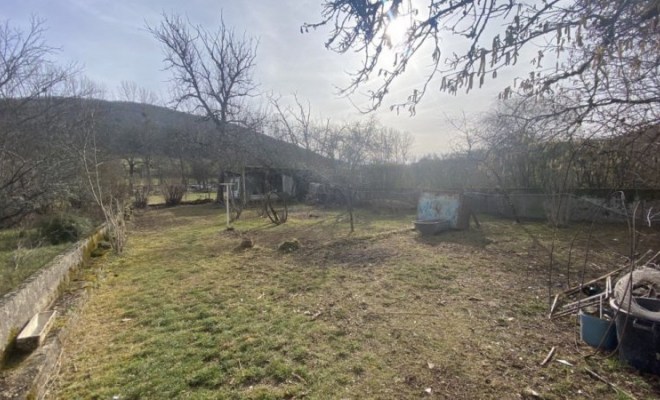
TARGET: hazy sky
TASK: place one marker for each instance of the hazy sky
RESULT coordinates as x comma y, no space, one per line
107,37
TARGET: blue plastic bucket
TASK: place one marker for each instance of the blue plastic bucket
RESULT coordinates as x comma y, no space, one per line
597,332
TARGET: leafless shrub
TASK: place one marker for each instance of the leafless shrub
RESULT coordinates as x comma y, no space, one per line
276,208
141,197
173,194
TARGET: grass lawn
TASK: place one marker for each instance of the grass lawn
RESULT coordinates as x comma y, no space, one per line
382,313
188,196
19,258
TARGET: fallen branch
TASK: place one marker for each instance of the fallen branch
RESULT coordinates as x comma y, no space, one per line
552,307
549,356
610,384
315,316
406,313
300,378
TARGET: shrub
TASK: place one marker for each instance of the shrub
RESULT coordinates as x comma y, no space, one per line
141,197
63,228
173,194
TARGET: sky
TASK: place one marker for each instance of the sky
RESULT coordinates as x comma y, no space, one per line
109,40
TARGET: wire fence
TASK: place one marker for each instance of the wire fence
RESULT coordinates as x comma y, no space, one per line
567,206
604,206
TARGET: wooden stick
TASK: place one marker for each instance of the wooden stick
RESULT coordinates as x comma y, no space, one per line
576,289
563,314
585,300
610,384
405,313
549,356
578,306
554,304
573,310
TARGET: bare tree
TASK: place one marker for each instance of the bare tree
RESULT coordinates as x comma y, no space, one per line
345,149
293,123
138,146
127,91
212,72
393,146
132,92
32,113
103,175
357,145
597,60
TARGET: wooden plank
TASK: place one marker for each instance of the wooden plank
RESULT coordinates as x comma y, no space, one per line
35,331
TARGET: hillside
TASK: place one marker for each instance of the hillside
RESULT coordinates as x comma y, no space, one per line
134,128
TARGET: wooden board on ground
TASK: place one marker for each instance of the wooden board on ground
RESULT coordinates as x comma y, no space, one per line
35,331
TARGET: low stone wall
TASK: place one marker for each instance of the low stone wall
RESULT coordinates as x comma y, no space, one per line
536,206
38,291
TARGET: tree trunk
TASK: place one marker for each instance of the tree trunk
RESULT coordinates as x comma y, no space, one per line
183,173
131,172
350,209
147,166
244,187
220,197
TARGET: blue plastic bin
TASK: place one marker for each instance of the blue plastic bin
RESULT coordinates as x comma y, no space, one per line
598,332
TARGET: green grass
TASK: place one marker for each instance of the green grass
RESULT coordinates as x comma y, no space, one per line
381,313
21,255
188,196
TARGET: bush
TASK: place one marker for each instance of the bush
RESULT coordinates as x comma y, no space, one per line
63,228
173,194
141,197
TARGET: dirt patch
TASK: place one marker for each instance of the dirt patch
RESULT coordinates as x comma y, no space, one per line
356,254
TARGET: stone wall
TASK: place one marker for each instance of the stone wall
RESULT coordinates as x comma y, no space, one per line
38,291
576,207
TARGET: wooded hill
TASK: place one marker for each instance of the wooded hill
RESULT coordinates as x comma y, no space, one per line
142,132
50,143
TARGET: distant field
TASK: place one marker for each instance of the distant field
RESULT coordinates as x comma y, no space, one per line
189,196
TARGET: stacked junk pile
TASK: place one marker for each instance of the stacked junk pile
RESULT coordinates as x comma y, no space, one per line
620,310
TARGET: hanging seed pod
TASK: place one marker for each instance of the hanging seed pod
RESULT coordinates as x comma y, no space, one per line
558,33
578,36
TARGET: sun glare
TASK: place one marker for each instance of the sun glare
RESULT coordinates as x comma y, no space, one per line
397,31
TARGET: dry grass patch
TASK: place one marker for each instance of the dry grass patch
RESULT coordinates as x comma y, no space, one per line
380,314
22,254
